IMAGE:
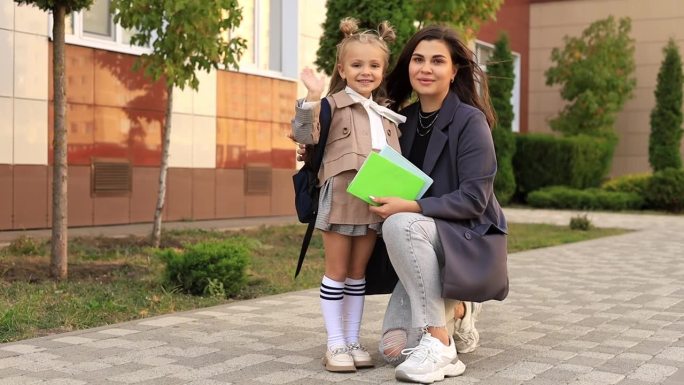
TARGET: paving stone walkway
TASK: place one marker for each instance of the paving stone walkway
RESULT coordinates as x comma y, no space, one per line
606,311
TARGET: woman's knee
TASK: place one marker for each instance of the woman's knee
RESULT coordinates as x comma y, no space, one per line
392,343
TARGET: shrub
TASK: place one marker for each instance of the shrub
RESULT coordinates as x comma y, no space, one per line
562,197
501,76
665,190
666,118
580,222
544,160
635,183
208,268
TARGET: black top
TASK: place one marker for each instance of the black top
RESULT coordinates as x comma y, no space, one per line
418,149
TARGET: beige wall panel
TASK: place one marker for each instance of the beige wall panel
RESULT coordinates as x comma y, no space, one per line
30,190
282,193
204,142
30,66
654,9
634,144
180,149
630,122
111,210
178,195
546,101
623,165
539,122
550,37
643,100
6,131
7,63
30,19
6,199
31,120
144,193
651,53
7,14
203,194
653,30
204,100
540,59
182,100
80,205
230,193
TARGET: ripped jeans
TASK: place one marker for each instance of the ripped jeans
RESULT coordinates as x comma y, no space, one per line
416,252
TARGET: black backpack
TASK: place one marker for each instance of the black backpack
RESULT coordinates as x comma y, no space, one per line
306,183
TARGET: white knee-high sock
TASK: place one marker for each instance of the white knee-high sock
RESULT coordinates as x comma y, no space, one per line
354,296
332,295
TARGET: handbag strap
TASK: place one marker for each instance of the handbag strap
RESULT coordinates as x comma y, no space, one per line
325,117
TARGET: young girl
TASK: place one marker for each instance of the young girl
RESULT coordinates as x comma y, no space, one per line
359,124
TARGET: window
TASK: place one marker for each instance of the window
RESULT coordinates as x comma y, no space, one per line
483,53
95,28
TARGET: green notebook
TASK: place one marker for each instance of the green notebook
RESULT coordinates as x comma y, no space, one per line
380,177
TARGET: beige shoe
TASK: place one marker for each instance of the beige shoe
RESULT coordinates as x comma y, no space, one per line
360,355
339,360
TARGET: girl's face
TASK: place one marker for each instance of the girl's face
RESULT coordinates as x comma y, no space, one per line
362,66
431,69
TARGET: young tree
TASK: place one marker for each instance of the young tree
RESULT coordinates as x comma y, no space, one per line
185,36
464,15
596,74
666,118
501,76
59,242
370,14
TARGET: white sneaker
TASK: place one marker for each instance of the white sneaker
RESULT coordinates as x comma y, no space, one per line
360,355
338,360
430,361
466,336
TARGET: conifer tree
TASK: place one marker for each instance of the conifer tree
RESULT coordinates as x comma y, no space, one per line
666,118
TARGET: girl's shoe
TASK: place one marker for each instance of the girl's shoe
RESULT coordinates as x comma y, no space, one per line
339,360
360,355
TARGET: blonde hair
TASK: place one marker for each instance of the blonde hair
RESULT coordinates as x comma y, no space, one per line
350,28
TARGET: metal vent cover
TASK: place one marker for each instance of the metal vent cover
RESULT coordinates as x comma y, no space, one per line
257,179
111,177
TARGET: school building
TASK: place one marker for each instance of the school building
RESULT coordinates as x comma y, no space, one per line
229,154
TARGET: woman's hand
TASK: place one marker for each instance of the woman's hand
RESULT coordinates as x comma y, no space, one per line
314,84
302,152
393,205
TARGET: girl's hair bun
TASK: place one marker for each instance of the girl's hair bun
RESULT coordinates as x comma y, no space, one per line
349,26
386,32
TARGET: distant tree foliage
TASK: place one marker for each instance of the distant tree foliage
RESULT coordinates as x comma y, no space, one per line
370,13
666,118
464,15
501,76
596,75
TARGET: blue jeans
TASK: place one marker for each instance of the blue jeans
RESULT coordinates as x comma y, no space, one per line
416,252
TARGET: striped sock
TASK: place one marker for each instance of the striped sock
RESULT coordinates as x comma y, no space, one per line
354,296
332,295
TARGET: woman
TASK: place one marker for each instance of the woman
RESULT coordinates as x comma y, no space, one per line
447,134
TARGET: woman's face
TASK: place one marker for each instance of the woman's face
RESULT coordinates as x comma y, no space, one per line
431,69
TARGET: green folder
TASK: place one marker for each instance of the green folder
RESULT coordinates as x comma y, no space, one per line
380,177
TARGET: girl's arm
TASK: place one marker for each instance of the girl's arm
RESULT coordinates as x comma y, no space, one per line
305,127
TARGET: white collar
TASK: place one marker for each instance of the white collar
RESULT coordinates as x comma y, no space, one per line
370,103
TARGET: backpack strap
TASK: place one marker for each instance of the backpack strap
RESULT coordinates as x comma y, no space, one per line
324,117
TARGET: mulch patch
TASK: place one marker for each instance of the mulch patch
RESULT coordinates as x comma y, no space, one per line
37,269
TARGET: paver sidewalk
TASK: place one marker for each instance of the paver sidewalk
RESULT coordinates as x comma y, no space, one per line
606,311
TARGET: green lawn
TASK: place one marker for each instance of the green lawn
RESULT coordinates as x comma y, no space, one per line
118,279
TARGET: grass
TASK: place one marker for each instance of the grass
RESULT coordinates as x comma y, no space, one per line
114,280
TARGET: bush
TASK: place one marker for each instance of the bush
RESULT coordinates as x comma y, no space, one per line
635,183
665,190
208,268
28,246
562,197
543,160
580,222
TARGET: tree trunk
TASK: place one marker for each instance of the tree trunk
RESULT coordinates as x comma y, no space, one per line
58,253
156,230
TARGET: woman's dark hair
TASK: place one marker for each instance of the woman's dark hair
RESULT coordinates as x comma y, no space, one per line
468,76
